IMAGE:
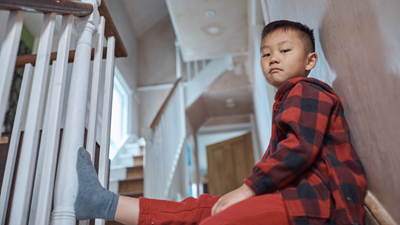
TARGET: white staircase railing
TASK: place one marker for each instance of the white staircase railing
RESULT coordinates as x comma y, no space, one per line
205,77
37,184
165,140
164,144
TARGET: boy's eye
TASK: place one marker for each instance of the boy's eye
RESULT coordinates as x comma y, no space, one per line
266,55
284,51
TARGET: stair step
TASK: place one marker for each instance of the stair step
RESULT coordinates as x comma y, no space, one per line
138,160
131,185
136,194
113,223
134,172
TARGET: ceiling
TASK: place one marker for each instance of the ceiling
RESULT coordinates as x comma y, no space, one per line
205,29
143,14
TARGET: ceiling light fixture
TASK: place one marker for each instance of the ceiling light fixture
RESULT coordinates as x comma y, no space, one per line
209,13
213,30
229,103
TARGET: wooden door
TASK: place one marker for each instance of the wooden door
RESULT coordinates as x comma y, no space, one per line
229,162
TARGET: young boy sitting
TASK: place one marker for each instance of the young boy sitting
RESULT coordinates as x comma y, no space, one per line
310,173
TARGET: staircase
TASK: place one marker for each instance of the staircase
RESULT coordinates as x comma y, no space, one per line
132,186
126,174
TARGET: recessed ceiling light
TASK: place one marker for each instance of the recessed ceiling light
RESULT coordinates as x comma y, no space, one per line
213,30
229,103
209,13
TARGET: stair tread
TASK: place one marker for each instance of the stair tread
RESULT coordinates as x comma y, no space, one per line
131,193
113,223
133,179
135,167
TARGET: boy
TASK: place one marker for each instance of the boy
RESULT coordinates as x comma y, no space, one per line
310,173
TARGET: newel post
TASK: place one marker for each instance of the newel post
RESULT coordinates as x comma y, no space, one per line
66,186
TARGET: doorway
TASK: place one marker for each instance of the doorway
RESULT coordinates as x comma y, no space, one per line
229,162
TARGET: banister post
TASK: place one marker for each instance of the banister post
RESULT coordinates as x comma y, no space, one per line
148,163
74,130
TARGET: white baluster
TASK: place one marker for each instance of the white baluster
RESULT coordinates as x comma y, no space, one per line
74,130
149,166
107,109
8,55
27,161
3,24
39,164
196,68
188,71
106,117
97,69
182,109
13,148
178,60
51,143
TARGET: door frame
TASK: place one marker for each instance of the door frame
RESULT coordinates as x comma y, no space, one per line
251,127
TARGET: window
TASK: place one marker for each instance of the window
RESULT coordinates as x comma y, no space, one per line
120,119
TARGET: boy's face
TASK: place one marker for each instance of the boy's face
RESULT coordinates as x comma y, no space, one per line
283,57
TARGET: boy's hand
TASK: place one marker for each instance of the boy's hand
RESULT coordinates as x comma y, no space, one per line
233,197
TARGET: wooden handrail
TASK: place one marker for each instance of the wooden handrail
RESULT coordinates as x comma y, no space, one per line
374,207
111,30
24,59
164,105
62,7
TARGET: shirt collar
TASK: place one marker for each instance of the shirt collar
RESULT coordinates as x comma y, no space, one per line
287,85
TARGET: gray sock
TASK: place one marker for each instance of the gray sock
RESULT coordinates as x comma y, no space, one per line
92,201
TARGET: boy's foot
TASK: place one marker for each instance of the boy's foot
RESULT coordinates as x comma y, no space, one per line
92,201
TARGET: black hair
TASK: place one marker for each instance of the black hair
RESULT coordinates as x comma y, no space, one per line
306,34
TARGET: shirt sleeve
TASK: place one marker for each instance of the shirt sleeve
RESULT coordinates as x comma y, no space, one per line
300,124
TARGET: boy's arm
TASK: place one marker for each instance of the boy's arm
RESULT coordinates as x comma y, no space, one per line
303,117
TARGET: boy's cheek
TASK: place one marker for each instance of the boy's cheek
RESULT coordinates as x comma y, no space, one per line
265,70
269,79
264,63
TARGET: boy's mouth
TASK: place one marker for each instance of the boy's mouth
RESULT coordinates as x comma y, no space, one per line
274,70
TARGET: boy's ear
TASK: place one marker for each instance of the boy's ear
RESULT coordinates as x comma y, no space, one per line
312,59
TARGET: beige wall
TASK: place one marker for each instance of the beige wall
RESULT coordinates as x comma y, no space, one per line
156,65
359,54
151,102
156,54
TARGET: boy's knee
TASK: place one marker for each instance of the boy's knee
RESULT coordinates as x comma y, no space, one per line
216,220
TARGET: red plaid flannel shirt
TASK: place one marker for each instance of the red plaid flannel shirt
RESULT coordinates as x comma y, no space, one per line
310,159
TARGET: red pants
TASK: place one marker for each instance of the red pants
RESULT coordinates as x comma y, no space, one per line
266,209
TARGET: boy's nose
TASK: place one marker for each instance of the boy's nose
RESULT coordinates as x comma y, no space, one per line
273,60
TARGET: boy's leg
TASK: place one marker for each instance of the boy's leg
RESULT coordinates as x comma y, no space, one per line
93,201
189,211
266,209
127,210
